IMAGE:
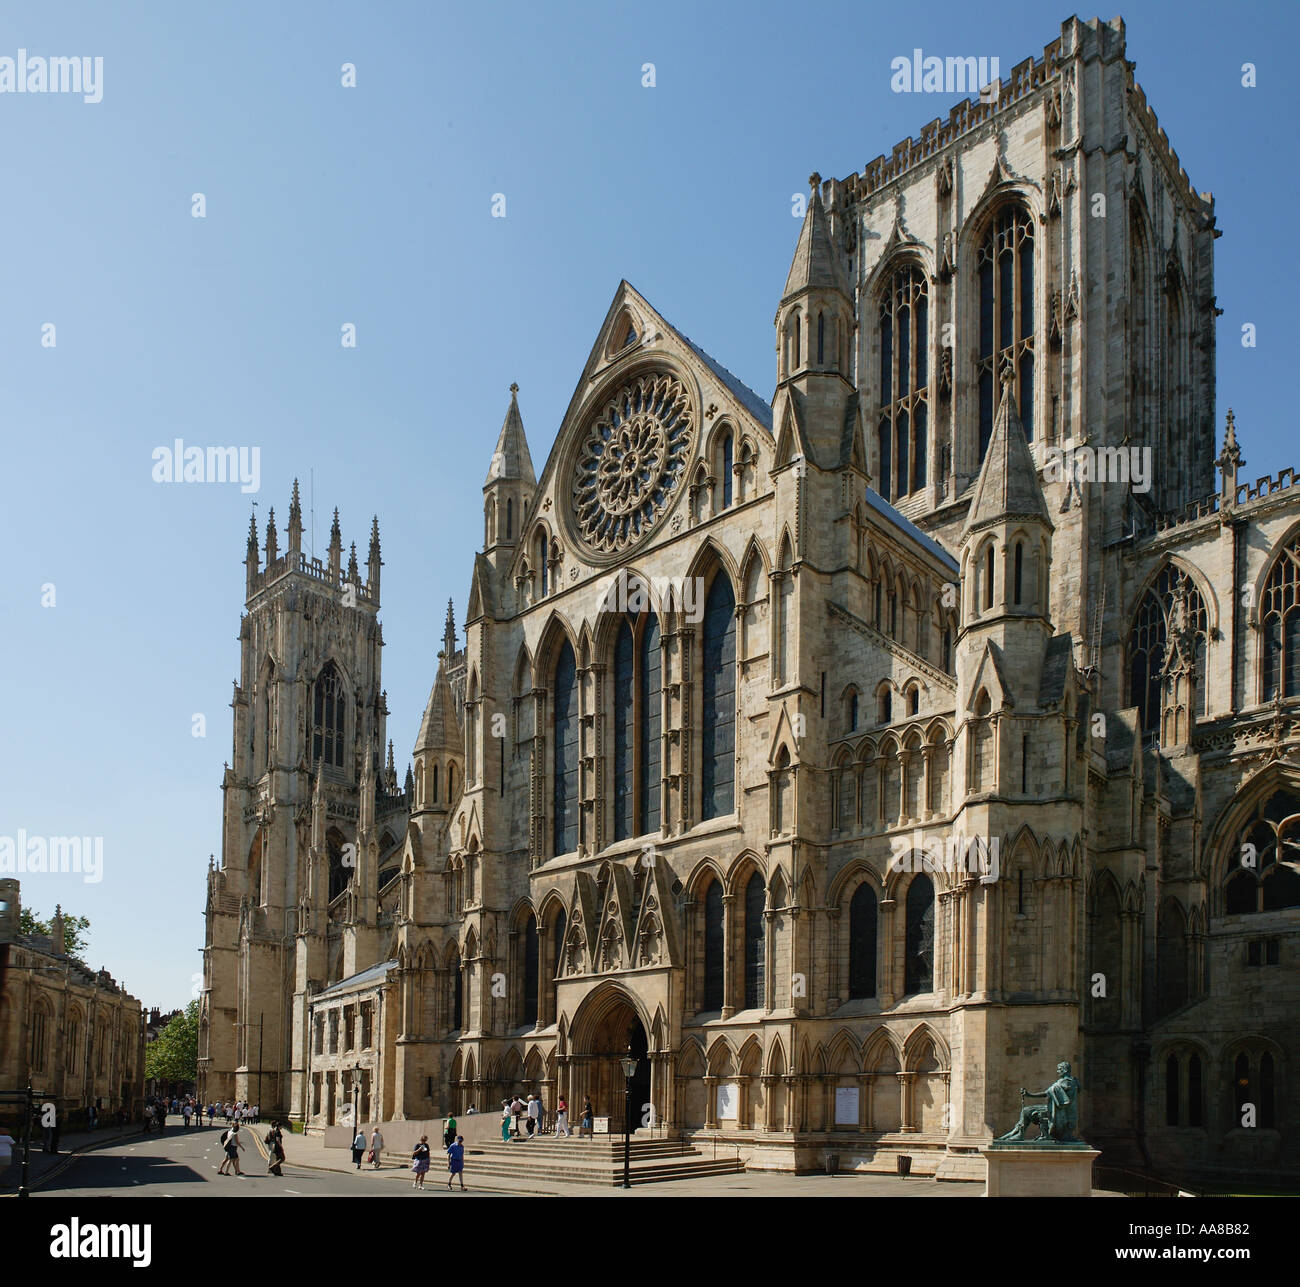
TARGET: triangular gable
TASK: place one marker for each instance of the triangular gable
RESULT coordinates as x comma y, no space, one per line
783,735
989,675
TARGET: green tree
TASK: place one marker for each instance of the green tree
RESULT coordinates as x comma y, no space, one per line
174,1054
75,936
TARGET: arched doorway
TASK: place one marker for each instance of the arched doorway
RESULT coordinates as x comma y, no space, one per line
607,1027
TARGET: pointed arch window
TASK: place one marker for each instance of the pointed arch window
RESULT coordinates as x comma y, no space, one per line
510,518
728,465
755,941
718,689
919,967
1005,272
904,379
862,943
638,724
1279,615
456,980
1263,872
565,792
531,971
543,565
327,718
268,714
714,946
1149,645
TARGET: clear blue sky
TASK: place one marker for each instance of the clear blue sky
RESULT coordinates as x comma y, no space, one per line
372,206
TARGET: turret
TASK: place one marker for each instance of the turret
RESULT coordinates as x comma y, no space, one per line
449,632
439,749
1230,460
374,562
814,329
336,549
251,558
272,544
509,485
295,521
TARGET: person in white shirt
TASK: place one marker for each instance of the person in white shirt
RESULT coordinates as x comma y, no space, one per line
534,1116
376,1148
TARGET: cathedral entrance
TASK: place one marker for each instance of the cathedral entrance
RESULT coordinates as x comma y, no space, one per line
607,1029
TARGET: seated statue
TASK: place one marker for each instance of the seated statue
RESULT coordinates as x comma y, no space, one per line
1058,1119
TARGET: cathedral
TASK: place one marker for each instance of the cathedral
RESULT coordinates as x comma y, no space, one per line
852,757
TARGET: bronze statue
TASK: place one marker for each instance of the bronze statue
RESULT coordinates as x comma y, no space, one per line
1058,1119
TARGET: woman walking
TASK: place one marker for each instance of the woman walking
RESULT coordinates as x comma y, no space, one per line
505,1121
456,1162
274,1150
358,1147
376,1148
562,1119
420,1162
233,1145
588,1121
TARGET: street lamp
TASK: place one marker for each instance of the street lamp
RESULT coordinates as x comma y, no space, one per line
629,1071
356,1098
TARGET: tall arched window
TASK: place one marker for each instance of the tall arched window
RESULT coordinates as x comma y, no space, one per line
728,465
755,941
40,1036
327,718
718,688
540,552
1148,644
904,376
862,943
638,723
339,873
565,794
531,973
715,947
268,715
510,519
1279,619
919,968
457,993
1005,269
1259,876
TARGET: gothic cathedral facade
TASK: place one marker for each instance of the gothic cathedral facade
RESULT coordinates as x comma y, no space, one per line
851,757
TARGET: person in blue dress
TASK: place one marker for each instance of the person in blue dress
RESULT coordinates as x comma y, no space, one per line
456,1161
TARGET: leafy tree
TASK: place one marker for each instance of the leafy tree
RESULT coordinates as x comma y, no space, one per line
75,937
174,1054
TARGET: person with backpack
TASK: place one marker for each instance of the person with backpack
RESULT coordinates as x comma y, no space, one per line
232,1144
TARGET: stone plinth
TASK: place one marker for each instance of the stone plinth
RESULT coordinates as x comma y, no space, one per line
1032,1170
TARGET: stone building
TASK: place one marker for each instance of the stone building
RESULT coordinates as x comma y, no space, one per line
852,756
73,1032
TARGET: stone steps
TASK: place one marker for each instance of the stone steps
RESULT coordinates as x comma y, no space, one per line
583,1162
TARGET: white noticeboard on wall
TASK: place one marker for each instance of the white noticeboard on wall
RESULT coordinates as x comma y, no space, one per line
728,1101
846,1105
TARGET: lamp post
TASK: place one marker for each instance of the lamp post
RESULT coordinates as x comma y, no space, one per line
356,1097
629,1071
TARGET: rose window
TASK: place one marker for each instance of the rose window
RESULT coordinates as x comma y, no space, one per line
632,461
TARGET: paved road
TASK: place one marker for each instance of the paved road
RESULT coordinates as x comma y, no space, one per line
183,1164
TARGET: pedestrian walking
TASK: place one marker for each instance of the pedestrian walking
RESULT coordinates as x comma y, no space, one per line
376,1148
562,1119
187,1112
587,1122
534,1116
231,1142
359,1147
517,1110
274,1149
420,1162
505,1121
449,1133
456,1162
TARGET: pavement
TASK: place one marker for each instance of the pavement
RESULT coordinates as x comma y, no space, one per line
185,1163
42,1165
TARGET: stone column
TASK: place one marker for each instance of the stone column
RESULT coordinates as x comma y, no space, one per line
729,974
888,976
907,1080
710,1102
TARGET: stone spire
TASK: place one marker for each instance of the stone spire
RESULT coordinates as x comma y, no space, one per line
1008,481
1230,460
336,548
251,556
353,575
374,562
816,263
511,460
449,632
272,547
295,520
440,729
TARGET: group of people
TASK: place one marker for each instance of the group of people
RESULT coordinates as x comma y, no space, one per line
453,1145
359,1148
232,1145
531,1111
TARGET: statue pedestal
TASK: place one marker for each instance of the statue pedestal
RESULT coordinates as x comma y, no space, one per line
1030,1170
